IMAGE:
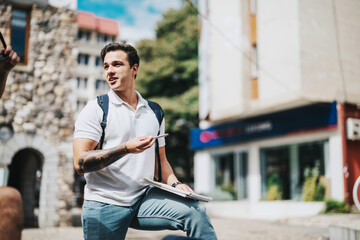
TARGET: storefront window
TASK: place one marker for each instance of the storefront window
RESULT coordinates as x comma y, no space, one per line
225,178
231,176
284,170
276,173
311,156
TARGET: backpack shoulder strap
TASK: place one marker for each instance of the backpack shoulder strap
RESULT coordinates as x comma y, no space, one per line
160,116
103,102
157,110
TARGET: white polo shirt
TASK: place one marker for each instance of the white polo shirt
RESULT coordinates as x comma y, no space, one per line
121,182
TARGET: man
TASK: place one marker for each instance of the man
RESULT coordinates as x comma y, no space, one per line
11,208
116,197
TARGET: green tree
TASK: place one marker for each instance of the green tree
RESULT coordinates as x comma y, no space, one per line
168,74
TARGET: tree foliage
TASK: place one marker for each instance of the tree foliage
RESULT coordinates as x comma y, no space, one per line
168,74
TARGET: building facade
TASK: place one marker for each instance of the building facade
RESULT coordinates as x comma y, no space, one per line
60,70
37,114
278,82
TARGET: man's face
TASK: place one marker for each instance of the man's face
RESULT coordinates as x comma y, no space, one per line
118,73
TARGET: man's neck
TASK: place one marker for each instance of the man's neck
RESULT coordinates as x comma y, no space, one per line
130,97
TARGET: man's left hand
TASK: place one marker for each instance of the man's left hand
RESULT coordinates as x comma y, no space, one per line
184,187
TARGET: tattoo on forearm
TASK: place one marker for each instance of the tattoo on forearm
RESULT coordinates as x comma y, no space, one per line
98,159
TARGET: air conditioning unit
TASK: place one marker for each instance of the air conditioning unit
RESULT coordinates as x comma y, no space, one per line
353,129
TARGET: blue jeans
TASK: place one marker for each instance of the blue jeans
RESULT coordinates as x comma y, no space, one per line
156,210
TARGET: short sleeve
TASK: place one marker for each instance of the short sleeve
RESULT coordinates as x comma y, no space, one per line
88,122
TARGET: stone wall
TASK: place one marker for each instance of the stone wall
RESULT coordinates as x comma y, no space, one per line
39,98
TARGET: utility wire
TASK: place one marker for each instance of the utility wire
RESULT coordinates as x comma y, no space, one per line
245,55
338,50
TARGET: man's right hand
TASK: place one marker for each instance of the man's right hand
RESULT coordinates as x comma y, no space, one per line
139,144
9,59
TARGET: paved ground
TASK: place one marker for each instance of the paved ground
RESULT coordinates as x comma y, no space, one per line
309,228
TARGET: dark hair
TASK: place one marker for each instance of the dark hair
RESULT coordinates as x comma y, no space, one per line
131,52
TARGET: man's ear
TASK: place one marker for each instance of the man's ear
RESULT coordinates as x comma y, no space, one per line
135,69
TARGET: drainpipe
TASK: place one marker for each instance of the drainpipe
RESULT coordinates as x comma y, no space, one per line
346,173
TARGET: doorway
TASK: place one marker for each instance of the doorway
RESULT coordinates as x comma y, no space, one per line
25,176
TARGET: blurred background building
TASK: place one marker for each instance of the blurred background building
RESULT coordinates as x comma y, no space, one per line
278,82
59,71
94,33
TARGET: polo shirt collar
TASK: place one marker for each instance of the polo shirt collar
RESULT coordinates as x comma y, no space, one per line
115,99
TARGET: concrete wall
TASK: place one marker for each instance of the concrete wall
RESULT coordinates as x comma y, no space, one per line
307,51
330,51
226,61
278,52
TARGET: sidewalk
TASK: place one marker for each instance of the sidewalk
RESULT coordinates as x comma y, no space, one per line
309,228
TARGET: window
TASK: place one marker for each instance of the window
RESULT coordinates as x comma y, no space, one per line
83,35
253,54
276,173
311,155
101,85
83,59
100,37
253,6
103,38
80,104
98,62
284,169
254,62
231,175
254,73
20,33
81,82
225,177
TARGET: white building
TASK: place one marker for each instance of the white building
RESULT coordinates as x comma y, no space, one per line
278,79
94,33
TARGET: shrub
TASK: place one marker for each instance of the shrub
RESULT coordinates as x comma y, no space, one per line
333,206
313,190
319,194
274,187
274,193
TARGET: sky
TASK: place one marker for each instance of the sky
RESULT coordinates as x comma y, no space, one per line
137,18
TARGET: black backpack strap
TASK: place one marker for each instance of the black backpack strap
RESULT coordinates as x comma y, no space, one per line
159,115
157,110
103,102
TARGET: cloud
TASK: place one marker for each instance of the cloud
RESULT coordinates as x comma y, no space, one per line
132,34
137,18
145,17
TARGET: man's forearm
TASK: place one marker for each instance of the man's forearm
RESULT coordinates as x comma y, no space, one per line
3,78
99,159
